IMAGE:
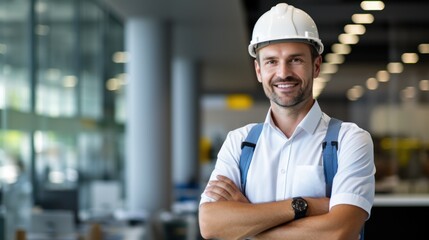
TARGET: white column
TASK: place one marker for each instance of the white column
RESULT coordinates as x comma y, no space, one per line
186,124
148,125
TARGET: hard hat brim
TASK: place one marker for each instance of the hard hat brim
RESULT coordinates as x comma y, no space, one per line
316,43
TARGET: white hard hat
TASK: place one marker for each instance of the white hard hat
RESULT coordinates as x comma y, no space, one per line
284,22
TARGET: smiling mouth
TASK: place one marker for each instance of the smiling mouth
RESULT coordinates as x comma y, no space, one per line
286,85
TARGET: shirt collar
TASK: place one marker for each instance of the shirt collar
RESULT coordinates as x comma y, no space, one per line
308,124
312,119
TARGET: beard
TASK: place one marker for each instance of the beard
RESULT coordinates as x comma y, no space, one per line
292,99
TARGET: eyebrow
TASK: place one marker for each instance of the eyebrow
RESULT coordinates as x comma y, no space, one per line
270,57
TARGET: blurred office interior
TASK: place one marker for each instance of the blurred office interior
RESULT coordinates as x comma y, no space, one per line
112,111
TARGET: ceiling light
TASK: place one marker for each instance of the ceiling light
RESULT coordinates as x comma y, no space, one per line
119,57
383,76
113,84
410,58
328,68
424,85
363,18
372,83
340,48
357,29
334,58
424,48
346,38
355,93
372,5
395,67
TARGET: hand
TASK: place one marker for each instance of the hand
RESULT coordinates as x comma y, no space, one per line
223,189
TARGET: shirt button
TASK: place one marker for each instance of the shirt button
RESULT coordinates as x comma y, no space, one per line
282,171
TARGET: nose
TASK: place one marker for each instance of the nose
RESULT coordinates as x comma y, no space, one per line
283,70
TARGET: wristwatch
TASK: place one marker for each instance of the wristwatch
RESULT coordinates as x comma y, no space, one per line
299,206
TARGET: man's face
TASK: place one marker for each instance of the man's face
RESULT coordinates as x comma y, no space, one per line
286,71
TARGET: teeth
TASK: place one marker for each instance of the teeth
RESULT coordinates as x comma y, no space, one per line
285,85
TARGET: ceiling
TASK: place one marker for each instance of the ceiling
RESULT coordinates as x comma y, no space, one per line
217,33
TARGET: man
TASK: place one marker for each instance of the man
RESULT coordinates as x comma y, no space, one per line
287,162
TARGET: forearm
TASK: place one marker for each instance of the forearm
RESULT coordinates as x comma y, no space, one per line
235,220
343,223
307,228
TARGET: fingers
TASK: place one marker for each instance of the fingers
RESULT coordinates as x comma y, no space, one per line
219,190
227,183
224,189
226,180
217,193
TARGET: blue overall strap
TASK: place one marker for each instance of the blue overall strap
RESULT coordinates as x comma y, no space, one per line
330,158
330,147
247,148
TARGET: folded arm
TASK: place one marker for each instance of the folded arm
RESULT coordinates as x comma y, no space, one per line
231,216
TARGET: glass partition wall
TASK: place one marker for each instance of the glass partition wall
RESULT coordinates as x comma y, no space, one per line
58,125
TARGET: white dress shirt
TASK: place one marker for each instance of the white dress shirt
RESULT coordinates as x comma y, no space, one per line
284,167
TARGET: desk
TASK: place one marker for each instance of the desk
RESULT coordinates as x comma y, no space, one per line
398,216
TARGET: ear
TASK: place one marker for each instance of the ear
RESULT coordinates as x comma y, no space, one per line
317,65
257,70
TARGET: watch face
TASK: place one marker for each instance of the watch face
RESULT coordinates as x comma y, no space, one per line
299,206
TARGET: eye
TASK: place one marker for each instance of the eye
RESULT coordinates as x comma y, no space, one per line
270,62
296,60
